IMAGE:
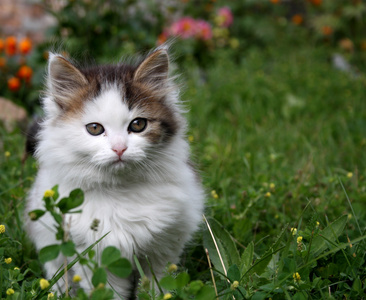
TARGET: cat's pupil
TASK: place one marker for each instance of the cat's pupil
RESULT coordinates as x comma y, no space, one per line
95,128
137,125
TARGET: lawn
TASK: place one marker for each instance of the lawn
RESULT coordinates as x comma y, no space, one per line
279,138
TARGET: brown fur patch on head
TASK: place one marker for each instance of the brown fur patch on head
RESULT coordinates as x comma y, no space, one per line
145,89
162,118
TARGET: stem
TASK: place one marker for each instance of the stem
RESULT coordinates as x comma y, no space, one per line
212,275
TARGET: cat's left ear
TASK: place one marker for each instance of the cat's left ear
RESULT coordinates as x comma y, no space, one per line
154,69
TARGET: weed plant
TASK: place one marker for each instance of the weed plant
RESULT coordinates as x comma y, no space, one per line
280,143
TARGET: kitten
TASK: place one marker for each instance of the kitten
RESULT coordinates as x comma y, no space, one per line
117,132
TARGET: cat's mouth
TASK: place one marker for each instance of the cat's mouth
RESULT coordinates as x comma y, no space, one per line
119,162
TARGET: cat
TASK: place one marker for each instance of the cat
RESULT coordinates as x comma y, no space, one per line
118,133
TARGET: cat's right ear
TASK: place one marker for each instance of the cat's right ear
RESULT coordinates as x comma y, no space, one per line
64,80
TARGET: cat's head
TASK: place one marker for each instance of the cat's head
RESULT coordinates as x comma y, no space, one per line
112,116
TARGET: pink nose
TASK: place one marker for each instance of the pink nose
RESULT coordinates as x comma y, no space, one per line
119,150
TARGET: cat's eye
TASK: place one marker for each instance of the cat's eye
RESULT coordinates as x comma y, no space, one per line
137,125
95,128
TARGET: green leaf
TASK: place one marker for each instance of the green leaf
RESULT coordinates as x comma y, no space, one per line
91,254
110,255
68,248
75,199
247,258
195,287
49,253
36,214
226,246
57,276
330,233
102,294
182,280
168,283
99,276
357,285
261,264
121,267
56,195
206,293
233,273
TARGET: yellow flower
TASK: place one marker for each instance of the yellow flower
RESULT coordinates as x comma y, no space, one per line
293,231
48,194
172,268
2,228
272,186
8,260
268,194
317,224
10,292
50,296
299,239
167,296
191,138
76,278
234,285
16,268
349,174
44,283
214,194
296,277
7,153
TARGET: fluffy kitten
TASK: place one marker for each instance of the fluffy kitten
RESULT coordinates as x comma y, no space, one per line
117,132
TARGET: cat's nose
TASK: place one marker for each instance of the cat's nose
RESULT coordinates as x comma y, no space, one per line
119,150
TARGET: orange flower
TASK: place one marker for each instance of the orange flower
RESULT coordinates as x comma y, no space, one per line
25,73
275,1
2,45
10,45
327,30
297,19
346,44
2,62
25,46
162,38
14,84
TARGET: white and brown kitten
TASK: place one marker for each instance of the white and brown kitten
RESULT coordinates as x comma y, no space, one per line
117,132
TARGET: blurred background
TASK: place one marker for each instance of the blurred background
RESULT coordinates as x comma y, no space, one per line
204,32
276,98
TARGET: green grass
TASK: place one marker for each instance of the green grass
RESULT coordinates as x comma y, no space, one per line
281,138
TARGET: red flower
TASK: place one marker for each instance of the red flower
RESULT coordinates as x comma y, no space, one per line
25,73
184,27
14,84
25,46
10,45
203,30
